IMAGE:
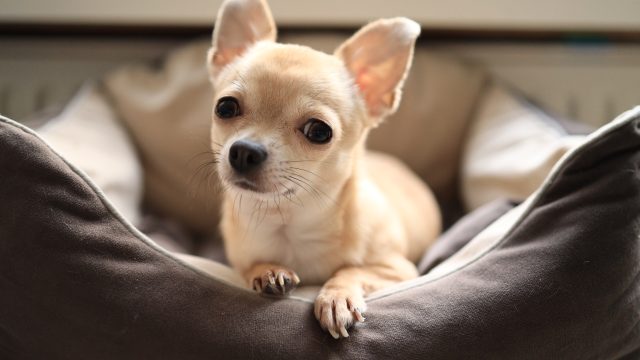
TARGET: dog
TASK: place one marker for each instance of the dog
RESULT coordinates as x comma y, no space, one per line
304,201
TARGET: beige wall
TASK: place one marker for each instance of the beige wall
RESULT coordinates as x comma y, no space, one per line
617,15
590,83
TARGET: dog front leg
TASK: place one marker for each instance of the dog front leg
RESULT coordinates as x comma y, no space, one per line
341,300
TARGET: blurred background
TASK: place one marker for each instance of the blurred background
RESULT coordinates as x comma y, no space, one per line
579,58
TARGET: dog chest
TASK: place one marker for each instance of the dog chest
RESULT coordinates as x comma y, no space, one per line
313,253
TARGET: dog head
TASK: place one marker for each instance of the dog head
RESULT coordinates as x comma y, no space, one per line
289,119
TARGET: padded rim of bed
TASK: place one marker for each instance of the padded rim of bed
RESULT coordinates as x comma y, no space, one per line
562,280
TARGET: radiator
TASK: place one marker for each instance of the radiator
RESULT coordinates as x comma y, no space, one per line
590,83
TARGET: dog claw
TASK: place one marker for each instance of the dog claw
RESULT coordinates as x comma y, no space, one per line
344,332
275,281
337,311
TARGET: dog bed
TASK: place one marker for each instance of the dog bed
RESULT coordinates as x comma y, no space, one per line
557,276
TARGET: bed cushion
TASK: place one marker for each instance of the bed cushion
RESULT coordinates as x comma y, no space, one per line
465,229
167,109
510,147
88,133
559,278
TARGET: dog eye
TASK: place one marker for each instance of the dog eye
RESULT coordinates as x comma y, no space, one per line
227,107
318,132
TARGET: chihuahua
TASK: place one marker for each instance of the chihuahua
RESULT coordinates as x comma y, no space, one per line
304,201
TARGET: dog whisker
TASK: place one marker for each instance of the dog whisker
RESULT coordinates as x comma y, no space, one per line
260,217
296,185
209,170
317,189
320,195
307,171
233,207
210,152
266,212
288,195
253,212
303,186
276,201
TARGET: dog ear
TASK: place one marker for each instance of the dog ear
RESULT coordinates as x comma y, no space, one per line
240,24
379,57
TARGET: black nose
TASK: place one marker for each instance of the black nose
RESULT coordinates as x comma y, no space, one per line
245,156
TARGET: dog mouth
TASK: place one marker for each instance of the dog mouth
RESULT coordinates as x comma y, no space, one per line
249,185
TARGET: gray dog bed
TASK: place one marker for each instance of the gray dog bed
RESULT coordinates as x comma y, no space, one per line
554,277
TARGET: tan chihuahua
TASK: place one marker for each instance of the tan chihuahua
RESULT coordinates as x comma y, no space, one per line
304,199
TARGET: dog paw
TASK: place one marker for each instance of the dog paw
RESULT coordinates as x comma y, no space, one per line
275,280
337,310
